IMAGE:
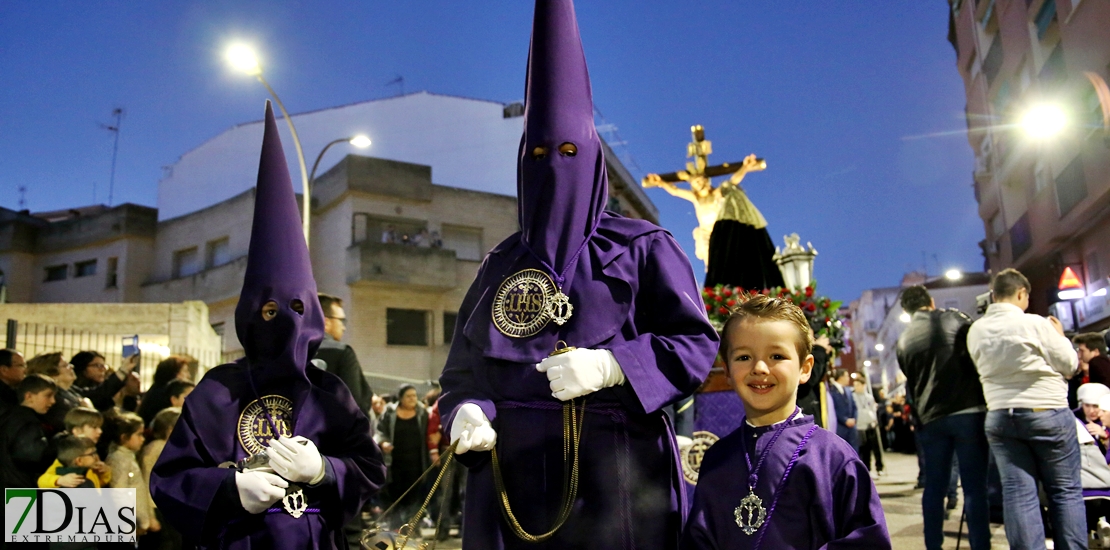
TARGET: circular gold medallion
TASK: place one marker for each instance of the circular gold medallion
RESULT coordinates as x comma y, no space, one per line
691,456
521,306
254,429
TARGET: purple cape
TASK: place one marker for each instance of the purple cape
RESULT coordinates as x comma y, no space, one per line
197,496
633,293
828,500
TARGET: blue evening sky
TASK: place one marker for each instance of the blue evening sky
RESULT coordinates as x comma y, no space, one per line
836,96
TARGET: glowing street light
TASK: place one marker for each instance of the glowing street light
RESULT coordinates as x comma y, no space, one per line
904,317
879,347
242,58
867,363
360,141
1044,121
953,275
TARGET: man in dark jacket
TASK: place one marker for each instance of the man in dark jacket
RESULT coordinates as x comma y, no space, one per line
340,358
25,451
1092,351
845,406
948,399
12,371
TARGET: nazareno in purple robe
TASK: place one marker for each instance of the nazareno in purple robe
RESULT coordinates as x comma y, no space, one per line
633,293
201,499
828,500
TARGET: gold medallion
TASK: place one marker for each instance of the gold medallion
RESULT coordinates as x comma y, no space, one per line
254,429
691,456
521,307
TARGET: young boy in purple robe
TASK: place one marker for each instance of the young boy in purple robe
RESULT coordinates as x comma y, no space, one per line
268,453
779,480
621,292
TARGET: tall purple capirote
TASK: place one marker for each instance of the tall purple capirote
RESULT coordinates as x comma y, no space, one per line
560,197
279,270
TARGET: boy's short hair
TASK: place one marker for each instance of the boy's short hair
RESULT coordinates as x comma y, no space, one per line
34,384
174,388
83,416
164,421
45,363
1091,341
72,447
327,300
766,308
125,424
1008,282
915,298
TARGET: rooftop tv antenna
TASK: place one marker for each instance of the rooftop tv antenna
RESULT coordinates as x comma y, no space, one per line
114,128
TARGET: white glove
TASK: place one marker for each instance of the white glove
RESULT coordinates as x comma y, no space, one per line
581,372
258,490
296,459
472,430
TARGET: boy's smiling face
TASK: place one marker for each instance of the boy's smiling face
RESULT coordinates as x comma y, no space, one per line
765,369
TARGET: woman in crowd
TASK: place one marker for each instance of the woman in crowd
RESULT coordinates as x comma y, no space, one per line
402,434
65,399
95,382
174,367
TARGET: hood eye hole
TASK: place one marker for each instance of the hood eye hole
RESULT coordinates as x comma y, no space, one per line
297,306
269,311
539,153
568,149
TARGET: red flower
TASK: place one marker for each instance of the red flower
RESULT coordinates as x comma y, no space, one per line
825,304
726,293
708,307
730,303
810,307
809,292
723,311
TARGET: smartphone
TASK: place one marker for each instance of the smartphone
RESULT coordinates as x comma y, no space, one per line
131,347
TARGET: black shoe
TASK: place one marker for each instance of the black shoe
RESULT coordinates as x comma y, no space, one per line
953,503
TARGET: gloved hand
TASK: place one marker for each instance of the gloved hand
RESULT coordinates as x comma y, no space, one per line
472,430
259,490
581,372
296,459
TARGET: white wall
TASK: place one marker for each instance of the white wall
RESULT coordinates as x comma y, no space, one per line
468,142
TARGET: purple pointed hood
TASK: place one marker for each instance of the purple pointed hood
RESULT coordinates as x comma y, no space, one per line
560,197
279,270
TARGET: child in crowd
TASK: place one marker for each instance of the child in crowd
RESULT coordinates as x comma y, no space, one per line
25,451
1088,412
84,422
126,474
177,391
161,428
77,465
779,481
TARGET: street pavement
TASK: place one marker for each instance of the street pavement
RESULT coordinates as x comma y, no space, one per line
902,506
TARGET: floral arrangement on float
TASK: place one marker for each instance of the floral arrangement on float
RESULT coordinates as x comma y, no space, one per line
821,311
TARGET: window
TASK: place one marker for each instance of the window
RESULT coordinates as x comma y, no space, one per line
1071,187
406,327
110,279
1021,238
993,62
218,328
449,320
359,227
57,273
1094,272
465,241
186,262
217,252
84,269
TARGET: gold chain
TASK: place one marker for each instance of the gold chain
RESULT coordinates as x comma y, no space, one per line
572,436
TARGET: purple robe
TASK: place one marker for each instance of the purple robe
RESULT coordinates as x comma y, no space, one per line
828,500
200,498
633,293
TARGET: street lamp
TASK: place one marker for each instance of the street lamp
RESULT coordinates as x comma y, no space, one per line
242,58
795,262
359,141
1044,121
879,347
953,275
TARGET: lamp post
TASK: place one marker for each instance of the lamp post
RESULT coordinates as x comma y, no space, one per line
795,262
242,58
359,141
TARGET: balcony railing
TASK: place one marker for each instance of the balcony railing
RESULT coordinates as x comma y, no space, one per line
374,262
